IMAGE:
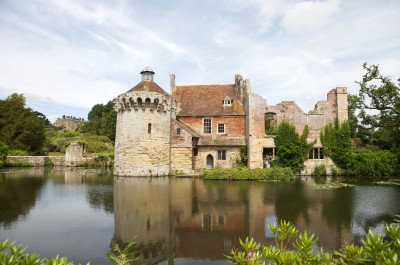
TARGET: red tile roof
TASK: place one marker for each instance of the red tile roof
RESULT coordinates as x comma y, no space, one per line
147,85
207,100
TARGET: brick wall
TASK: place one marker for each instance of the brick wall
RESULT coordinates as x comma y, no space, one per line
235,126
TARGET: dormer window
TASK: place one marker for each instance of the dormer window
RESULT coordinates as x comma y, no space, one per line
227,101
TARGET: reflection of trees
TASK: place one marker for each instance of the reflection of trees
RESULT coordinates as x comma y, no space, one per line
291,201
17,196
337,209
100,192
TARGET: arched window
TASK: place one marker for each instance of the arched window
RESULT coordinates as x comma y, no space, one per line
147,102
139,102
149,128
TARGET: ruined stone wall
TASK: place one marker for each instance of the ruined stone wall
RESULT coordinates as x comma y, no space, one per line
142,144
342,104
68,123
256,127
232,155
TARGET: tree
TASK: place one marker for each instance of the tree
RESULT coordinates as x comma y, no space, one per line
292,150
335,138
3,154
20,128
102,120
379,103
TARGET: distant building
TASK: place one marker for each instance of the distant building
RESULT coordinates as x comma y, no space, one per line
69,123
205,126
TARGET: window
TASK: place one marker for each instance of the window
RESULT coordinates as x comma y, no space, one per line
178,131
227,102
195,152
207,125
149,128
270,123
221,154
316,153
221,128
207,222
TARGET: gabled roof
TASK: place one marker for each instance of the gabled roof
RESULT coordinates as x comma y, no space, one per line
207,100
147,85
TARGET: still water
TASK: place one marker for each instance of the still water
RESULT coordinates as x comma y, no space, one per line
80,213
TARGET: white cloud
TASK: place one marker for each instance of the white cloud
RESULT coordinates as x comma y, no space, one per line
309,15
78,53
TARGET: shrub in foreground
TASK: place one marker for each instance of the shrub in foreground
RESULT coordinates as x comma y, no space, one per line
244,173
292,247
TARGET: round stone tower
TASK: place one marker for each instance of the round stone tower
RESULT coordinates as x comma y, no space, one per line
142,140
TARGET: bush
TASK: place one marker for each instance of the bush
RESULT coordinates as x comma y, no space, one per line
244,173
292,247
319,171
372,162
3,154
18,153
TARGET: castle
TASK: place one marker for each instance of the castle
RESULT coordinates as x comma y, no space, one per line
205,126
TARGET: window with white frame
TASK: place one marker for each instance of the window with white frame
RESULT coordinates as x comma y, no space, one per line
221,154
227,102
221,128
207,126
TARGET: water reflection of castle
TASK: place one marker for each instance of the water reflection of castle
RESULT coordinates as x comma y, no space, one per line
186,218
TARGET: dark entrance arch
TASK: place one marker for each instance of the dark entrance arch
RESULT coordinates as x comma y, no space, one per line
210,161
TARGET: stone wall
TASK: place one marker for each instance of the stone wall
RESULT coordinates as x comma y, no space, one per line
36,161
182,160
40,161
142,144
68,123
232,155
256,134
310,165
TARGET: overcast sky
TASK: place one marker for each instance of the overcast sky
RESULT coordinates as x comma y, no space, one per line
67,55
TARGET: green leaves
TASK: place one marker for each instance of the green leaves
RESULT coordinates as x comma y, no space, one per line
20,128
374,250
292,149
126,255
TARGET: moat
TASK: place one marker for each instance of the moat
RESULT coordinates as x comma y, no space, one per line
80,213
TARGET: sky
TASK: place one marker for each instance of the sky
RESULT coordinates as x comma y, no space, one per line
67,55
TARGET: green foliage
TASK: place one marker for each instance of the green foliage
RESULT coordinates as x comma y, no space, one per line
20,127
337,143
242,161
19,164
372,162
319,171
3,154
18,153
292,149
93,143
126,255
244,173
12,254
292,247
378,102
102,120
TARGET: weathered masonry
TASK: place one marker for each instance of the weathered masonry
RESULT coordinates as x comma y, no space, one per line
205,126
